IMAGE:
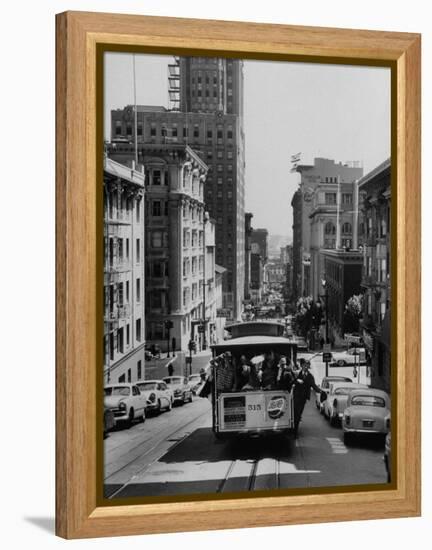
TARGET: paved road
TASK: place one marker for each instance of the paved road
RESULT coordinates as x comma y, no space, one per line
176,453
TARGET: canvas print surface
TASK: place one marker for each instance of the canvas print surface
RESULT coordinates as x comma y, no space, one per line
247,282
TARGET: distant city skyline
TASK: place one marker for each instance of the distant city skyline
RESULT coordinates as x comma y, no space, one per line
332,111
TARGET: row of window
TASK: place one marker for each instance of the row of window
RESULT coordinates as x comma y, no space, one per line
118,341
220,195
381,269
331,198
197,265
330,243
117,205
119,250
194,212
220,180
220,154
188,294
220,167
330,228
381,227
174,130
118,295
197,238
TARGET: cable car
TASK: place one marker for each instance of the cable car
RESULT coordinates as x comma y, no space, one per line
251,407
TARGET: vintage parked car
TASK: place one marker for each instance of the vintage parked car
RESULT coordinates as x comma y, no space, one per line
387,456
109,420
158,396
182,392
367,411
325,386
337,399
195,382
126,402
351,356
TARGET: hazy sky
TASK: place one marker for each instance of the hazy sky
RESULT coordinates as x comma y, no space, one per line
333,111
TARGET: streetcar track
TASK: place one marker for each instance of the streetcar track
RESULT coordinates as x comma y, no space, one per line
252,475
147,466
222,483
157,443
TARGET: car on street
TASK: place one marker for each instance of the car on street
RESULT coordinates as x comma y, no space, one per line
337,399
158,396
350,356
182,391
126,402
195,382
109,420
367,412
325,386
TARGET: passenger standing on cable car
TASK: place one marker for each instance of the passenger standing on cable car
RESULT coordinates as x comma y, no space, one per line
286,377
269,371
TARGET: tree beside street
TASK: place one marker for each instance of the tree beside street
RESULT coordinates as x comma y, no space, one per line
353,313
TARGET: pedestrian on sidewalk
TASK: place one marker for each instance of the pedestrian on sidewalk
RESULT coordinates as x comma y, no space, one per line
170,369
302,391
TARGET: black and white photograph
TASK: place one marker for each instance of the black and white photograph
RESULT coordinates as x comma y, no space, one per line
247,276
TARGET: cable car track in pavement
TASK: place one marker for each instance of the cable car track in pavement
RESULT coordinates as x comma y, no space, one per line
141,470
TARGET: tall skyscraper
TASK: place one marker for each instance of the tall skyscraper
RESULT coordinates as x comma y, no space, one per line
214,86
206,113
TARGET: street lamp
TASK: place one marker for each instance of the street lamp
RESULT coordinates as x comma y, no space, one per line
168,326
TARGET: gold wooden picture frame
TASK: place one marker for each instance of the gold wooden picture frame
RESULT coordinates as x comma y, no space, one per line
81,40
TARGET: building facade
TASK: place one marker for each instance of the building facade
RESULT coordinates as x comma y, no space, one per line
275,272
318,192
124,273
334,223
342,280
248,245
376,281
257,277
175,242
207,114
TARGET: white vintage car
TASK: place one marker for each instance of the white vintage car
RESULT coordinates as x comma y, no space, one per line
182,392
337,399
325,387
126,402
367,411
352,356
158,396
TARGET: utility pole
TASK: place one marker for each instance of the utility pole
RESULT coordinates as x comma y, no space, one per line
168,327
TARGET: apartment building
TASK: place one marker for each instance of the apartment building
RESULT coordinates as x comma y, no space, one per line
124,273
376,281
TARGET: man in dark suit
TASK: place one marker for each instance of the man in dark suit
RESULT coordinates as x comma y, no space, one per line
302,391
